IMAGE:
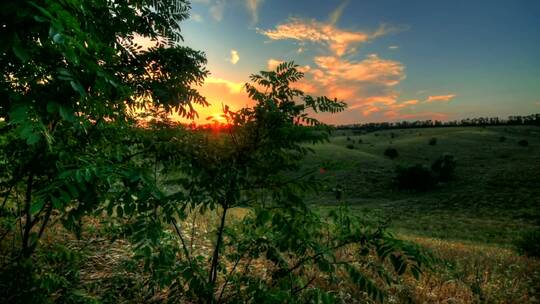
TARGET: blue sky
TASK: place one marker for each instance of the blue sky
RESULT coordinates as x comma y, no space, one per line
388,59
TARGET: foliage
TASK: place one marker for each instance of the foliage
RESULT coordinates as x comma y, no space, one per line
350,146
76,89
416,177
529,243
73,80
502,139
391,153
433,141
444,167
58,276
278,250
523,143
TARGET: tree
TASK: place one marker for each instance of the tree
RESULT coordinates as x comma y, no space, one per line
255,167
73,81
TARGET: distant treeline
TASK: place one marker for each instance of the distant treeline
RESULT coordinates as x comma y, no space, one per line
533,119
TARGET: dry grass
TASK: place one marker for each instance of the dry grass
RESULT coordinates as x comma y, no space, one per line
472,273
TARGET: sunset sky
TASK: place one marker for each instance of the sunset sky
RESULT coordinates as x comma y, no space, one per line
388,59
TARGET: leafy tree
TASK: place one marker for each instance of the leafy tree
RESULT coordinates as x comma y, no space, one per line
529,243
391,153
416,177
523,143
279,247
444,167
73,81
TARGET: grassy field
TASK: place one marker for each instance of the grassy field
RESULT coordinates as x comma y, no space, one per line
470,222
494,197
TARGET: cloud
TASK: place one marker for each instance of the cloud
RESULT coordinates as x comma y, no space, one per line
272,63
217,9
440,98
367,84
411,102
314,31
235,57
253,9
393,47
372,69
336,14
233,87
196,17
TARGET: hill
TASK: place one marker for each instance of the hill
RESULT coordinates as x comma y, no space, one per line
494,196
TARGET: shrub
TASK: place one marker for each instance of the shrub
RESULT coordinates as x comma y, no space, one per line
391,153
416,177
523,143
529,243
433,141
350,146
360,140
348,138
444,167
502,139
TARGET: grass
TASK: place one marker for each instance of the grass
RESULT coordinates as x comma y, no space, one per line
494,197
470,223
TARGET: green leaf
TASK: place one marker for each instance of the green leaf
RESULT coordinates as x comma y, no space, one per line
19,50
37,206
77,86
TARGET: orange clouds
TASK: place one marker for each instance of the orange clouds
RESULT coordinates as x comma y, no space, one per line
440,98
372,69
314,31
366,85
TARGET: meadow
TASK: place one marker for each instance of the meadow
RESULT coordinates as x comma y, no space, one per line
471,222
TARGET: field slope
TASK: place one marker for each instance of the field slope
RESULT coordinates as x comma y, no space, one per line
470,222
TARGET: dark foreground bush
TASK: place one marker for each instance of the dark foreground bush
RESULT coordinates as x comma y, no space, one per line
417,177
444,167
529,243
502,139
433,141
523,143
391,153
349,146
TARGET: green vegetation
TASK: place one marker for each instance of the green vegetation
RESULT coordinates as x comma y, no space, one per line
493,196
89,153
104,199
474,220
529,243
391,153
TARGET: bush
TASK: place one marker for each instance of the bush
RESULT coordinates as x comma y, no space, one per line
391,153
529,243
444,167
502,139
523,143
416,177
433,141
350,146
348,138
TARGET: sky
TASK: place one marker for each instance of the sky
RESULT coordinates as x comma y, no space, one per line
389,60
